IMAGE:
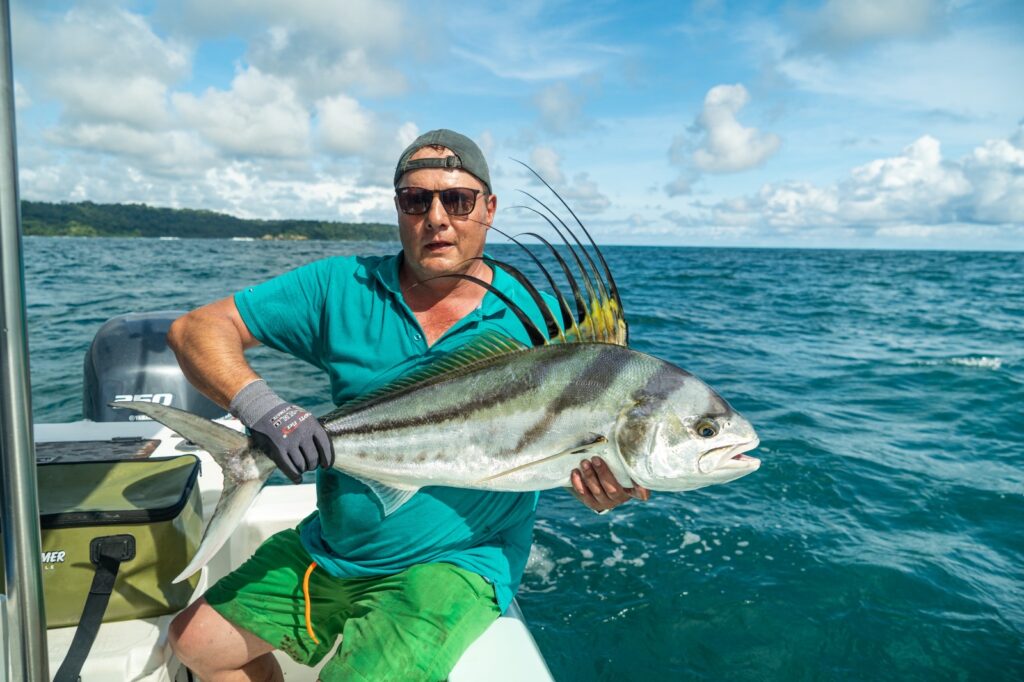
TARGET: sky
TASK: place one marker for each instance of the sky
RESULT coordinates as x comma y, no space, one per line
838,124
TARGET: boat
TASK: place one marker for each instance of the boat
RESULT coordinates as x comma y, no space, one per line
141,367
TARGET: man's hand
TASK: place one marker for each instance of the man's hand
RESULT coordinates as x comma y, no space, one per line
288,434
594,485
294,439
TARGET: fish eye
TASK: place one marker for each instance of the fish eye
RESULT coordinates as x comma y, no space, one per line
706,428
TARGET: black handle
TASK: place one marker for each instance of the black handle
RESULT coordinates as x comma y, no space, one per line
107,554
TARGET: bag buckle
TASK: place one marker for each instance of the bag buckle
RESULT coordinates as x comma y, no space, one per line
119,548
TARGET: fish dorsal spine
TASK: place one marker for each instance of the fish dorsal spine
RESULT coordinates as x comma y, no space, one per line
599,316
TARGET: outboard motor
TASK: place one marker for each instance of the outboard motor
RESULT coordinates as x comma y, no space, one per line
129,359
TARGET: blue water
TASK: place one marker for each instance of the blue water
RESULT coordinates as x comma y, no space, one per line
881,538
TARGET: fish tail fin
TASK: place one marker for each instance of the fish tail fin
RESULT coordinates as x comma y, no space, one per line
245,471
217,439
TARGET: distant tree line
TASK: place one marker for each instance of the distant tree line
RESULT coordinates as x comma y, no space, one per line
86,219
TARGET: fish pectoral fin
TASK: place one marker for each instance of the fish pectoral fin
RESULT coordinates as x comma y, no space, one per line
390,497
593,440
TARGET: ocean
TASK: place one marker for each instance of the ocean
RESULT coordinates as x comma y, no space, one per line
883,536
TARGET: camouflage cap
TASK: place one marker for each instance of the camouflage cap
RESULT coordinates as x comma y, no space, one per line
468,156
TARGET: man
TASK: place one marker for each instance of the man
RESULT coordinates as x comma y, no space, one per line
411,591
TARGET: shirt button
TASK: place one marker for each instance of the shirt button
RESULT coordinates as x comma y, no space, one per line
417,337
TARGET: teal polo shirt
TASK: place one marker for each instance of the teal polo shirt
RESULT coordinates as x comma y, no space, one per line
347,316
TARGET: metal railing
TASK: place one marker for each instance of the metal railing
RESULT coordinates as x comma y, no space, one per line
25,629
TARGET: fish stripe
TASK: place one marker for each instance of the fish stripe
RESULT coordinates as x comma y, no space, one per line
660,385
498,393
572,396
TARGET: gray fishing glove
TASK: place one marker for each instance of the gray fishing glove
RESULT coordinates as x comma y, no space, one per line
288,434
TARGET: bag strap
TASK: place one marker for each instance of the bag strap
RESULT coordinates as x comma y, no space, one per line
106,553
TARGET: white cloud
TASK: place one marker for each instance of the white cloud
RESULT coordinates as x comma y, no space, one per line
561,109
728,146
582,193
140,101
323,46
681,185
910,231
347,129
916,193
101,66
703,227
486,142
785,206
845,24
45,182
968,72
344,126
320,65
320,194
354,22
531,45
547,163
112,42
536,68
584,196
720,143
996,173
918,185
176,153
260,115
22,100
407,132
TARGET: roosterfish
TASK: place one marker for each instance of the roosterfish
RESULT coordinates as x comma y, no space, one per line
499,415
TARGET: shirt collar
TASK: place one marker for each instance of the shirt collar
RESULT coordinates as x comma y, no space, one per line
386,272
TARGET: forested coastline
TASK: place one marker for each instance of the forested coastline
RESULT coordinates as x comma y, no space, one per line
86,219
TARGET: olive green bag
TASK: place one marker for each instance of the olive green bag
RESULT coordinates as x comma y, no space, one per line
155,502
140,519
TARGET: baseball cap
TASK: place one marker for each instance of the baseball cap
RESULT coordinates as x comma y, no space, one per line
467,156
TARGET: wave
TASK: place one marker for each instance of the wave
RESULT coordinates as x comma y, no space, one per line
982,362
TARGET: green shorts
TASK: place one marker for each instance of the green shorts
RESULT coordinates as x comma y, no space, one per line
413,625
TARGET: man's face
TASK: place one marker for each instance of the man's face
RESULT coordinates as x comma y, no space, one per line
436,243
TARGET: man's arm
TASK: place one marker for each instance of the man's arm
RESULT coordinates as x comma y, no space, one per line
210,344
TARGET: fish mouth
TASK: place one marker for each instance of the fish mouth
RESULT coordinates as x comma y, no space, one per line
740,461
733,456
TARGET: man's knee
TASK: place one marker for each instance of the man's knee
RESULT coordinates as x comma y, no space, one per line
208,643
181,636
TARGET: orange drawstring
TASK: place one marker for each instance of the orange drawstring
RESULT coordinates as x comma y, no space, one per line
309,607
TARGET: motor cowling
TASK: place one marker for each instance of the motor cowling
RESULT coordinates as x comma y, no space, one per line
129,359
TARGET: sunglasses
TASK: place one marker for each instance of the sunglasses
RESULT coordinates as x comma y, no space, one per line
457,201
